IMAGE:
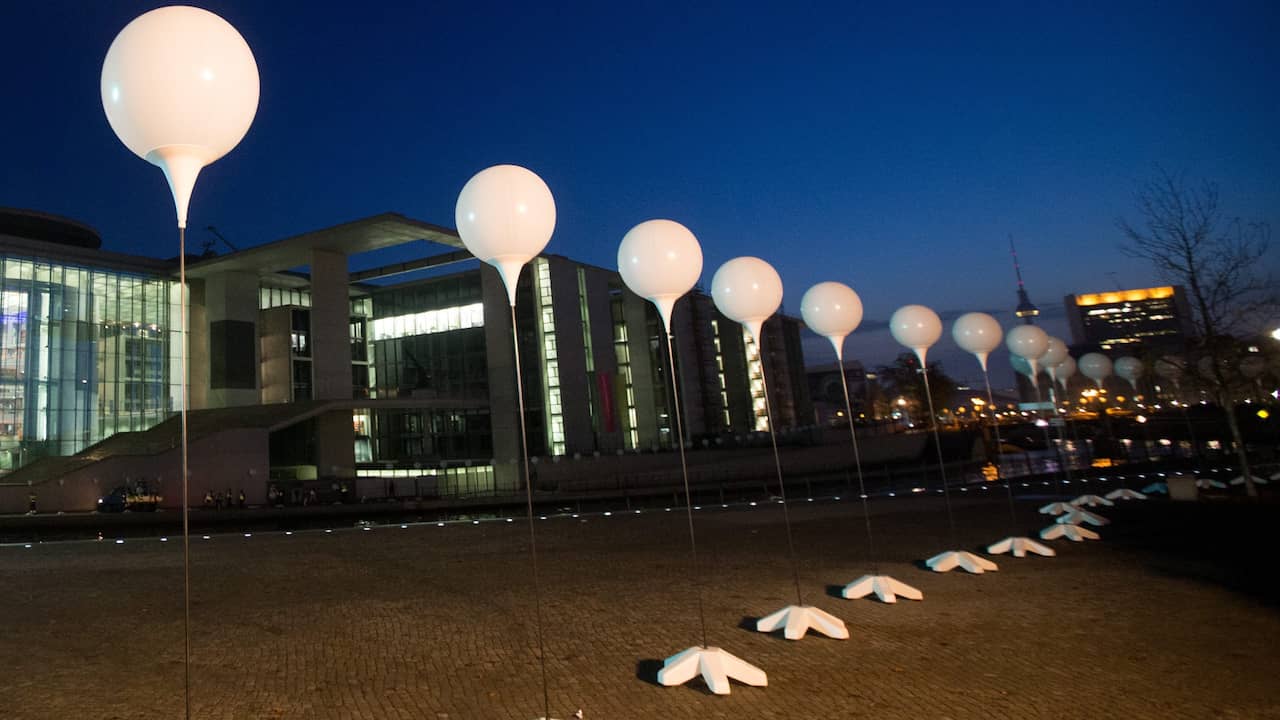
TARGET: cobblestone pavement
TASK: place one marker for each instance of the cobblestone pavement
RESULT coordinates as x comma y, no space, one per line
435,622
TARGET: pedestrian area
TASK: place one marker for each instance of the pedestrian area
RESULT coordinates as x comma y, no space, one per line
1170,615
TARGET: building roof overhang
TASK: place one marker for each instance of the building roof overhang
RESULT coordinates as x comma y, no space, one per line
351,238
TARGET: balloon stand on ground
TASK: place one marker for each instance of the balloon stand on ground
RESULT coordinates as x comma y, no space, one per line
834,310
749,291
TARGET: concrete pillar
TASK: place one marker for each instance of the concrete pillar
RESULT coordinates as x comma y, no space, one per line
231,320
503,420
330,331
335,445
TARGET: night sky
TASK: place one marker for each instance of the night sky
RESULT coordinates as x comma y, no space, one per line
894,149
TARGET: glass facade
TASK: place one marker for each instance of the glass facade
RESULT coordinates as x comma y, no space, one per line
84,353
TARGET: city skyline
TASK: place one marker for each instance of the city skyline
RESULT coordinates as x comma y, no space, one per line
895,150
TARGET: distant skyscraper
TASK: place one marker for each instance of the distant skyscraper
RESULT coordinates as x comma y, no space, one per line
1026,309
1132,321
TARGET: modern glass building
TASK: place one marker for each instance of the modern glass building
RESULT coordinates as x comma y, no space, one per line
303,373
84,348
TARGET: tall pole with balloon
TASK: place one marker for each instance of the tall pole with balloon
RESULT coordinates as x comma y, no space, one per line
834,310
1130,368
979,333
661,260
918,328
748,290
506,216
180,89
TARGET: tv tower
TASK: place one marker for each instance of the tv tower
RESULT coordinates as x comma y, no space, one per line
1026,309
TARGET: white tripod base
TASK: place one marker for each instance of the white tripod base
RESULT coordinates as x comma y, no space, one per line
952,559
885,588
796,620
716,667
1019,547
1091,501
1206,483
1056,508
1239,480
1125,494
1156,487
1074,533
1080,517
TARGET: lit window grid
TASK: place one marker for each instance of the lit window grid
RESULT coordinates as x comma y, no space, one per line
622,354
459,317
724,387
451,481
84,353
550,359
755,371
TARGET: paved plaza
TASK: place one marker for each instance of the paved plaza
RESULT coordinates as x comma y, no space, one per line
1165,618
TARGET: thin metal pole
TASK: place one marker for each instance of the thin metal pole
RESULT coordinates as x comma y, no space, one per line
857,462
777,464
533,540
995,426
186,525
937,443
1062,437
688,496
1047,442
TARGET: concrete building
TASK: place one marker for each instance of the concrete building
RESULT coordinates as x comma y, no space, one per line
401,374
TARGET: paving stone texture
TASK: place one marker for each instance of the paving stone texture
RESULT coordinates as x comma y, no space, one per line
1161,619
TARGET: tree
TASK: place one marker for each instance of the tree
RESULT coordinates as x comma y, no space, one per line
902,378
1185,234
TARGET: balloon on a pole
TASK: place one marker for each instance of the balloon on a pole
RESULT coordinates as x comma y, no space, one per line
1053,357
978,333
180,89
747,290
660,260
1251,366
1129,368
505,216
833,310
1095,366
1065,370
1022,366
916,327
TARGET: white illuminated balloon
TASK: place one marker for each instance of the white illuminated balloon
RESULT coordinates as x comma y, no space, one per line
833,310
1022,366
660,260
505,216
1095,366
1129,368
1064,370
916,327
978,333
1054,354
1030,343
180,89
747,290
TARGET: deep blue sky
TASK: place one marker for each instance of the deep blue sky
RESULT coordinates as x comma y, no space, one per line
892,148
